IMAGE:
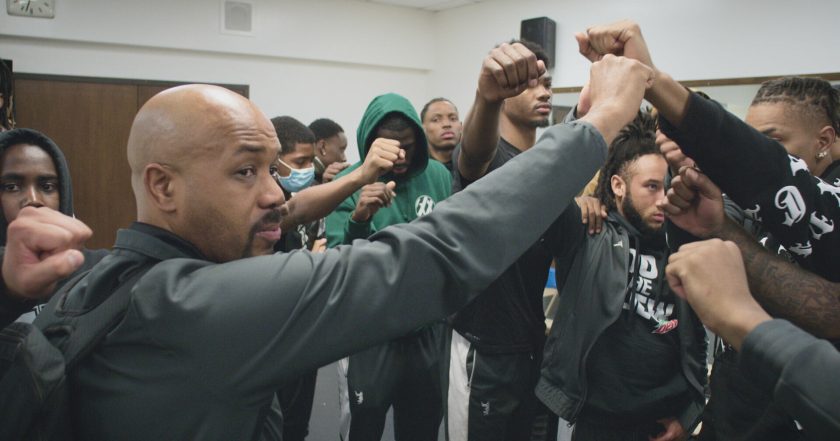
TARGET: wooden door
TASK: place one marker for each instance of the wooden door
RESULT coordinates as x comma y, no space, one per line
90,120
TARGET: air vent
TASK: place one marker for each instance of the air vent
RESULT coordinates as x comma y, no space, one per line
237,17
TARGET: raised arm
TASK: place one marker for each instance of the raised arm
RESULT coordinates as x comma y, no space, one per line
507,71
695,204
318,201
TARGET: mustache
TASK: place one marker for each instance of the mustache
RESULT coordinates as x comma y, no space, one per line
272,217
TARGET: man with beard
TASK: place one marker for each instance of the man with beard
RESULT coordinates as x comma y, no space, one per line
625,358
443,129
497,340
208,336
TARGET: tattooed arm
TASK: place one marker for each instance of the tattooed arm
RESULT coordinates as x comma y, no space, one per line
784,289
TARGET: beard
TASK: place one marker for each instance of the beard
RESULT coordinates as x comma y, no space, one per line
542,122
635,219
272,217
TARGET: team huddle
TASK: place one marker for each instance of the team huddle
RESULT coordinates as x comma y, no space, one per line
680,238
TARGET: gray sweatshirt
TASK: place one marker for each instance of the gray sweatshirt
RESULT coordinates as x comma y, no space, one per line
203,346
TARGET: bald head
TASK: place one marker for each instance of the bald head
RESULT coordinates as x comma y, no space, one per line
174,126
179,127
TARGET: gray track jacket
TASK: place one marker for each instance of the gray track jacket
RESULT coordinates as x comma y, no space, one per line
203,346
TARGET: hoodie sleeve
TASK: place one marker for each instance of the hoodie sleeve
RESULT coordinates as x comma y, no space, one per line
341,229
799,209
801,373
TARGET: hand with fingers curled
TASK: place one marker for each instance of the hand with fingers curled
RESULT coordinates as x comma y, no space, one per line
507,71
694,203
710,275
380,159
673,153
332,170
621,38
42,247
371,199
616,88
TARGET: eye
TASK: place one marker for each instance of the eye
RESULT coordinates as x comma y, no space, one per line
49,187
247,172
9,187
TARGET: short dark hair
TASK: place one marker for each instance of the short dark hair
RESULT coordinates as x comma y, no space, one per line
324,128
812,95
432,101
635,140
535,48
291,132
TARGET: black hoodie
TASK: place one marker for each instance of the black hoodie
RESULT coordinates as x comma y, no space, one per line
11,309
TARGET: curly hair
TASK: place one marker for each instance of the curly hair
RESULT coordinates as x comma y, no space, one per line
635,140
812,95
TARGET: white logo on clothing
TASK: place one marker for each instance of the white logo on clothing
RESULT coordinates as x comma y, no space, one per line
360,396
820,225
790,200
752,213
797,165
645,305
485,408
828,188
618,245
801,249
423,205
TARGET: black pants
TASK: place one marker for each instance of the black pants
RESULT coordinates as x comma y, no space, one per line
490,397
296,400
740,411
592,431
403,373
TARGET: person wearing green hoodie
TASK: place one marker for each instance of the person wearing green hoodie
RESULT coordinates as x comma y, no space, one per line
403,372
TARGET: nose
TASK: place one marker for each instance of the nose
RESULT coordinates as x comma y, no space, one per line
33,198
271,195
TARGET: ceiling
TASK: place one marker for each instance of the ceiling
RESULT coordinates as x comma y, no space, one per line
428,5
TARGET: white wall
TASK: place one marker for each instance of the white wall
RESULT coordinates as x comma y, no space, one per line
330,57
306,58
690,39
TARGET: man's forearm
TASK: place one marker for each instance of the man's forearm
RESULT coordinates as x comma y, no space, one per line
319,201
669,97
786,290
481,135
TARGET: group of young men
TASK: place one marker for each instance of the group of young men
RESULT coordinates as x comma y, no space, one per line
422,267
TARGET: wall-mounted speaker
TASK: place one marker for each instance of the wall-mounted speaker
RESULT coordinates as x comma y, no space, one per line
543,31
237,17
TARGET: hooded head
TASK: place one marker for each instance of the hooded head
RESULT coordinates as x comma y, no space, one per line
33,171
392,116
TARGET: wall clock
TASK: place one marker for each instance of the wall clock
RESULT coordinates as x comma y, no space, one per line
31,8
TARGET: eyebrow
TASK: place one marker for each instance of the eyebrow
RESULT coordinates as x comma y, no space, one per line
254,149
19,177
769,131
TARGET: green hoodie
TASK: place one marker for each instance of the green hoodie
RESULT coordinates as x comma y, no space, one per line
426,183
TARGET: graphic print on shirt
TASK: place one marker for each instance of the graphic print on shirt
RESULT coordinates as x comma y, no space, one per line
657,311
790,200
424,205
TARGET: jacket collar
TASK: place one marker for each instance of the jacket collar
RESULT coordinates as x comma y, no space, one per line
155,242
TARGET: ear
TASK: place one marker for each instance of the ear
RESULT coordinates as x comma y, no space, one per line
321,147
618,186
160,183
825,139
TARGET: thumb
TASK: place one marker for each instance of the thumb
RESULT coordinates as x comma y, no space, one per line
391,185
54,268
702,183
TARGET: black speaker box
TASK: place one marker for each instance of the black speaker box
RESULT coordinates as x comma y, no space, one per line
543,31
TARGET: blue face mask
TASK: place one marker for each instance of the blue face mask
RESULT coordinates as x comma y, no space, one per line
298,179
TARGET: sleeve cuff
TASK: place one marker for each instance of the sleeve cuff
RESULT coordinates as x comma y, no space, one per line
768,347
358,230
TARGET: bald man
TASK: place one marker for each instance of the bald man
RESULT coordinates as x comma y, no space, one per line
209,336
